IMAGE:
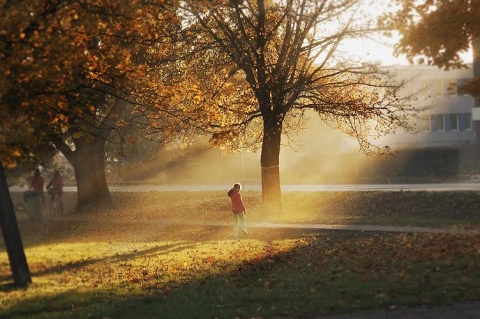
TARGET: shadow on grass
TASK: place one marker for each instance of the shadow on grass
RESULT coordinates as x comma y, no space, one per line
92,261
420,208
326,272
9,287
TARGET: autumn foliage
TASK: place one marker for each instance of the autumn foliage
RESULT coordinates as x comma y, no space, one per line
79,74
437,33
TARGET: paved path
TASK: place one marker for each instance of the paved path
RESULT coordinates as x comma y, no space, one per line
460,310
376,228
432,187
396,229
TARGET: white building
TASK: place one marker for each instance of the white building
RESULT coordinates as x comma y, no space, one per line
449,117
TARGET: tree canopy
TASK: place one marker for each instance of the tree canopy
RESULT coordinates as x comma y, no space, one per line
82,72
86,71
287,54
437,32
60,60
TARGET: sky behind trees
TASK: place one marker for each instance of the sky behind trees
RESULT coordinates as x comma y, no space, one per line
371,51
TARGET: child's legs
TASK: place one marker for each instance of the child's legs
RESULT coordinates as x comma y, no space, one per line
236,218
243,220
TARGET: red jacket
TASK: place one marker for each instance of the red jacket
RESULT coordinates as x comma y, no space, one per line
37,183
57,184
237,202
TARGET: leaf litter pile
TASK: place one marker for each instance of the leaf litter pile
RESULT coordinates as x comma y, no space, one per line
155,256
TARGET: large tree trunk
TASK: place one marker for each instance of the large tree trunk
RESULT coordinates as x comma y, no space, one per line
88,161
270,159
11,235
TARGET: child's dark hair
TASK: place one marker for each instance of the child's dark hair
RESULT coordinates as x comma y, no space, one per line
232,190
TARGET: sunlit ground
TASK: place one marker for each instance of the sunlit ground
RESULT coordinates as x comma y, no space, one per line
143,261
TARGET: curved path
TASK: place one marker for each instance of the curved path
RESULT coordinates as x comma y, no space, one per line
310,187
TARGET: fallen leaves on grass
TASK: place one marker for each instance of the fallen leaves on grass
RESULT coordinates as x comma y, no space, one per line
341,268
91,264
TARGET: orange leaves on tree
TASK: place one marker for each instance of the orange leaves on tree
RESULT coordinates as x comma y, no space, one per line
79,56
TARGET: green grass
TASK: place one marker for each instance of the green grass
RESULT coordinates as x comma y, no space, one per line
131,263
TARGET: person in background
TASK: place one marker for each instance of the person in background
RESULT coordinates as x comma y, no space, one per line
56,183
37,184
37,181
238,209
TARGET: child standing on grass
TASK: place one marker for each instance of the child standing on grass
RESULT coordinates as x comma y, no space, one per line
238,209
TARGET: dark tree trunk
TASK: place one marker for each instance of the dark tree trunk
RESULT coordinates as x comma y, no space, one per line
88,161
11,235
270,160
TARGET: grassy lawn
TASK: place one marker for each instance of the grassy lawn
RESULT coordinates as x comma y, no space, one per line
142,261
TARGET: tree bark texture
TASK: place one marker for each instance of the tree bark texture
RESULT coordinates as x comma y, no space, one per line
270,160
88,162
11,235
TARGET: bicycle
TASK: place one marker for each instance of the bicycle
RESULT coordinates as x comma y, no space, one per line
55,203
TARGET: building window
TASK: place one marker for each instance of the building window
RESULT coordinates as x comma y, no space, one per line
462,82
423,124
439,121
452,88
420,87
437,88
467,118
454,122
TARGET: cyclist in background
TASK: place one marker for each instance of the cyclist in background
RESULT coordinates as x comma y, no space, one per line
56,183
